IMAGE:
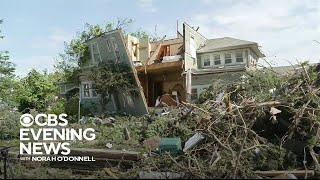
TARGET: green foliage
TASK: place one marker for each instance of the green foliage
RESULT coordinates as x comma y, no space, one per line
7,68
57,107
9,123
76,51
171,126
36,90
111,78
253,84
7,82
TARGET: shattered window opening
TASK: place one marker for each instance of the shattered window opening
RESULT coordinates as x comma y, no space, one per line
135,50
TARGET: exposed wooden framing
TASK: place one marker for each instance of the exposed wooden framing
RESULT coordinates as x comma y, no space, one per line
159,67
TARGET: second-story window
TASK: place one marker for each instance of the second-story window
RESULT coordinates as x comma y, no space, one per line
206,61
227,58
217,60
239,57
95,52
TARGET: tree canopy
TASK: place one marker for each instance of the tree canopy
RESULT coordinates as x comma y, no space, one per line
76,50
7,69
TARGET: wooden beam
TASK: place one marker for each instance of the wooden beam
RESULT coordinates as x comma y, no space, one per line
298,173
106,154
158,67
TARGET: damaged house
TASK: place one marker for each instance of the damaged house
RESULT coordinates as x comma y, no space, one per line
171,70
188,64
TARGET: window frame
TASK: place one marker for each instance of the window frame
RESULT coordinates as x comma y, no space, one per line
225,58
214,60
93,54
204,60
93,90
237,57
86,90
109,45
194,95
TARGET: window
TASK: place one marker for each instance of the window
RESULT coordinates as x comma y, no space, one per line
239,57
95,52
193,48
114,44
194,94
134,50
108,45
86,90
116,50
206,61
89,90
227,58
217,60
94,90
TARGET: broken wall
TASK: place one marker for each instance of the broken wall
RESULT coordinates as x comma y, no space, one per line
133,48
144,48
112,49
193,40
166,81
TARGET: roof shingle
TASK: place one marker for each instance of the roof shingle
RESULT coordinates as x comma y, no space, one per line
222,44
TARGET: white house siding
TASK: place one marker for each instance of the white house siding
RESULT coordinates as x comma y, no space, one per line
200,82
245,53
253,59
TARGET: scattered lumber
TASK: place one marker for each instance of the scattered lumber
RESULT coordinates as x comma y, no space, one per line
297,173
106,154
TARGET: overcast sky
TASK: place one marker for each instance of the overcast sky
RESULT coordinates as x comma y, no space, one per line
286,30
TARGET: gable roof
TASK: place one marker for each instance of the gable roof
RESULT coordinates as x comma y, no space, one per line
226,43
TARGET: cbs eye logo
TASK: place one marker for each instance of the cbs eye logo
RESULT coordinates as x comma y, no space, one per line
26,120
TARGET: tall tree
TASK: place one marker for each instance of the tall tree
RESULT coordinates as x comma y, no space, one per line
7,69
36,91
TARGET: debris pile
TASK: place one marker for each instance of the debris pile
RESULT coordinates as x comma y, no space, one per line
263,126
262,123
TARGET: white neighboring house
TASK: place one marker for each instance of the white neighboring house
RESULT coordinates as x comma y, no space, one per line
218,57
